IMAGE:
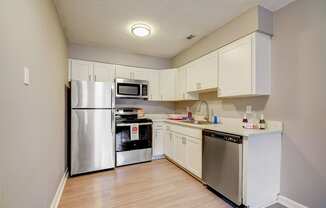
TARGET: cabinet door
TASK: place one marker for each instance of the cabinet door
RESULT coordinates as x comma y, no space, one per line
202,73
152,76
104,72
168,142
81,70
181,84
140,73
192,77
125,72
158,143
208,66
235,68
167,84
180,149
154,85
194,156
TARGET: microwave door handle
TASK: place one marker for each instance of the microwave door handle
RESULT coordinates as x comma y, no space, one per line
141,90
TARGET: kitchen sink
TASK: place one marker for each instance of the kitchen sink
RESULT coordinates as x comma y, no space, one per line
196,122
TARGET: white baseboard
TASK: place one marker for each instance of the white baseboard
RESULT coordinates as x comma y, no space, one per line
158,157
269,202
289,202
57,196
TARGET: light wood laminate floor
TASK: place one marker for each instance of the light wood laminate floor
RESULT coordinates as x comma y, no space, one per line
158,184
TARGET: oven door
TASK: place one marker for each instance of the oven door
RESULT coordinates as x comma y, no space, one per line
128,90
133,136
137,89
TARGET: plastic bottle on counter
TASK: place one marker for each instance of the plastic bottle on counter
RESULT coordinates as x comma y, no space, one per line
189,114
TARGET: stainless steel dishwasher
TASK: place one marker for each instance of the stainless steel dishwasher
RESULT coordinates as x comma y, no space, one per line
222,164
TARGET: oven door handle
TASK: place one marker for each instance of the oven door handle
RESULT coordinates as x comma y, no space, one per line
130,124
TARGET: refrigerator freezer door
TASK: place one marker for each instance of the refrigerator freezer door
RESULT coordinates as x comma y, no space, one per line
89,94
92,140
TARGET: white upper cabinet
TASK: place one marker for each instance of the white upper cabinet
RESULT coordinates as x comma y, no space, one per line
154,85
92,71
244,67
81,70
126,72
167,84
202,73
181,85
103,72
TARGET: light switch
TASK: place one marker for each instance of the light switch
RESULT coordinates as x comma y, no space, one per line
26,76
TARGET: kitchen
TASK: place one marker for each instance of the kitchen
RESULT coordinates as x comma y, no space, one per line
121,105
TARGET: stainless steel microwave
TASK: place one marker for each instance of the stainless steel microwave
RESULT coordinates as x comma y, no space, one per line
130,88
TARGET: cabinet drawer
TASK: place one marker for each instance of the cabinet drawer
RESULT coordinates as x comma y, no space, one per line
158,125
188,131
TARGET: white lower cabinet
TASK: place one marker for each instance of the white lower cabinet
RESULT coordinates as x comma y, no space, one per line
183,148
158,140
194,156
168,144
180,149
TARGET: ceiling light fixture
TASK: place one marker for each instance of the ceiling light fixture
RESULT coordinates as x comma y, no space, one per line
141,30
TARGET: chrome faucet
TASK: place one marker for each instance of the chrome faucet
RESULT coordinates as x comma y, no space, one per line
207,108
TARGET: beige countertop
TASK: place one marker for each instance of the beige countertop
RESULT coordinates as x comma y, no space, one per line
234,126
227,125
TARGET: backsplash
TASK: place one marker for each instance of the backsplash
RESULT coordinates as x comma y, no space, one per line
226,107
150,107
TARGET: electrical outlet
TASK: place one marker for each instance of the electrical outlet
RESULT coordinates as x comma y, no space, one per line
248,109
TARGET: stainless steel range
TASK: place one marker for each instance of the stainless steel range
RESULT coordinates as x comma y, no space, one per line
133,137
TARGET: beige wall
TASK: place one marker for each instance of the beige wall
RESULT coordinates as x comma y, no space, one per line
229,107
32,138
298,99
108,55
255,19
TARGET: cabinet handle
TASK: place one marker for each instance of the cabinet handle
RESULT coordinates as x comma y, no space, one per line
184,140
94,77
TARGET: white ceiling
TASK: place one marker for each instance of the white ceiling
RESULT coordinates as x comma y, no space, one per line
106,23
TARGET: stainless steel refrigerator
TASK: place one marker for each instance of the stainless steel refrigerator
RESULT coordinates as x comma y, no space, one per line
92,127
